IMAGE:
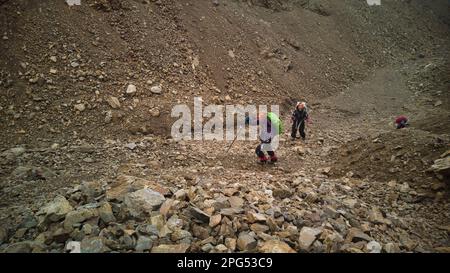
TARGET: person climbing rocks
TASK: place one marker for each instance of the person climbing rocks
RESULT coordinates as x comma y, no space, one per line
270,127
299,117
401,122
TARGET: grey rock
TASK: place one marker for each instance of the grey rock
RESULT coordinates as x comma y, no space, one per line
199,215
164,248
131,89
373,247
94,245
54,211
106,214
246,242
308,236
142,202
156,89
78,216
143,243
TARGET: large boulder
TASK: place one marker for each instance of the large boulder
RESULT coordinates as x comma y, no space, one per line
80,215
54,211
142,202
125,184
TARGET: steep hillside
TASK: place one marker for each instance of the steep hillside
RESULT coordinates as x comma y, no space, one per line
86,154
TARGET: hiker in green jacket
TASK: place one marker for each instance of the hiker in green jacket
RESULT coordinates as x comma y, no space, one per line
271,126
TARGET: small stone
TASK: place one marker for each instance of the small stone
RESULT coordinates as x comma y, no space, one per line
131,89
53,71
180,195
105,213
199,215
179,234
156,89
355,235
221,203
175,222
93,245
165,231
308,236
80,107
230,243
276,246
282,193
375,216
246,242
258,228
157,221
73,247
330,212
131,145
87,229
215,220
200,232
392,183
88,160
207,247
180,248
60,235
108,116
253,217
404,188
143,243
53,59
221,248
154,112
351,203
236,202
231,212
373,247
113,102
20,233
74,64
166,207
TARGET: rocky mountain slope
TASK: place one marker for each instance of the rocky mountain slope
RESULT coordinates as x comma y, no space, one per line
87,157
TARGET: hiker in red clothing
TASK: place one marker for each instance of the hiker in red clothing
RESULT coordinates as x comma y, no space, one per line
401,122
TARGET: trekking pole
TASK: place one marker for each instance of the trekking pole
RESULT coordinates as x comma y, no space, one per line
237,133
298,126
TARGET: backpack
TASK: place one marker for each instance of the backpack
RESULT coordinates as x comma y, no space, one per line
276,122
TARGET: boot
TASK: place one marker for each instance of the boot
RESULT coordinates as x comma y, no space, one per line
263,159
273,159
